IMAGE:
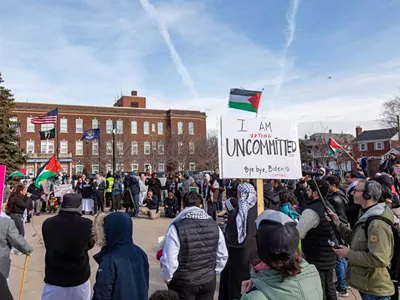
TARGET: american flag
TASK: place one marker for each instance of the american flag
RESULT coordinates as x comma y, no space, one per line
49,118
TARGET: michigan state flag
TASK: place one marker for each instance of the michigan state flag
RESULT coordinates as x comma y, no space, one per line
91,134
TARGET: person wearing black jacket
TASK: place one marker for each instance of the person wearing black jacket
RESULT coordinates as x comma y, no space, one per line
352,209
87,194
169,182
231,188
17,203
135,191
151,206
99,187
337,198
36,194
271,194
155,185
67,238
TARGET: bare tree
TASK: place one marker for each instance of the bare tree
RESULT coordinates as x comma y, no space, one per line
180,151
207,151
390,113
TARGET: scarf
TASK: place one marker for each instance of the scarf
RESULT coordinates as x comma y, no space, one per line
229,205
248,198
192,212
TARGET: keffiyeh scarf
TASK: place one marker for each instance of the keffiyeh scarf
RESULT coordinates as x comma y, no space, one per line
248,198
191,213
229,205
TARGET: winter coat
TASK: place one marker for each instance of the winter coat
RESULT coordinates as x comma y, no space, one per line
271,197
117,189
135,185
289,211
339,201
87,190
151,204
369,256
269,285
21,203
123,272
155,186
36,192
67,238
10,237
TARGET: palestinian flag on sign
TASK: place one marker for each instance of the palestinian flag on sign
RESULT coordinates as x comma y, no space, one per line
19,173
50,169
244,100
333,146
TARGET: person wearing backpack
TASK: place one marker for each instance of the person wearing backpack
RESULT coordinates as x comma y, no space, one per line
372,243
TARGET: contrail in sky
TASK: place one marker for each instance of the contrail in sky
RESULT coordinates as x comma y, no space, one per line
290,31
163,30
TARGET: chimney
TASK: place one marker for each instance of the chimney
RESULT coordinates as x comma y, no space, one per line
330,131
134,93
358,131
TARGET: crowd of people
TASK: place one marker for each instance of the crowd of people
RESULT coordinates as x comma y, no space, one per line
313,231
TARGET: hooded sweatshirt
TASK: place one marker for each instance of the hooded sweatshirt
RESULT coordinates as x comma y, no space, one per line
123,272
269,285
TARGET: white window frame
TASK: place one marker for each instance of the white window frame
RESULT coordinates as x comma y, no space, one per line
181,167
79,144
79,168
180,127
109,148
30,144
161,147
95,168
160,127
147,166
192,149
109,126
154,146
48,145
45,127
191,128
379,143
153,127
31,171
192,166
134,148
63,125
79,125
146,127
65,168
95,147
146,145
161,167
109,168
29,126
134,127
64,147
95,123
362,148
120,127
120,148
135,167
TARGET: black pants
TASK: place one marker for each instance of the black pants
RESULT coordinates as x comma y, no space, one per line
116,202
98,201
19,222
212,210
202,292
328,286
108,199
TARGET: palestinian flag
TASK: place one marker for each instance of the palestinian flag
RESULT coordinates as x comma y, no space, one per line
333,146
50,169
244,100
19,173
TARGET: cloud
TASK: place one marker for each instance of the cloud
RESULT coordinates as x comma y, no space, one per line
290,32
162,28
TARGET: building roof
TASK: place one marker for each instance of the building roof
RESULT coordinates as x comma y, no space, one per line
38,108
322,137
377,134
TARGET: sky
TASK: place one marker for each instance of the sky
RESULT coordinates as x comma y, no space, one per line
323,64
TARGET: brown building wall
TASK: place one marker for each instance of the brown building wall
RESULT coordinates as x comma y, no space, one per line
371,149
169,118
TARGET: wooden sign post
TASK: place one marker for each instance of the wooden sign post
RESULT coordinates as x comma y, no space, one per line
260,196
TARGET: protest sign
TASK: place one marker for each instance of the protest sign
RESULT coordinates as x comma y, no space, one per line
62,189
194,189
259,148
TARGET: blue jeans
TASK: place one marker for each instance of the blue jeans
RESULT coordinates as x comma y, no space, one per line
373,297
341,267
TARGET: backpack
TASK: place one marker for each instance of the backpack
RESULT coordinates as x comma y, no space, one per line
394,269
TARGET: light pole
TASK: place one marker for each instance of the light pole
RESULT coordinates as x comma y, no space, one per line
113,152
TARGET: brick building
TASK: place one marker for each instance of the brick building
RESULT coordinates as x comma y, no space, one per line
158,140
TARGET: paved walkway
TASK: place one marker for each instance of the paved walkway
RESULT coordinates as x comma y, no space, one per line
146,233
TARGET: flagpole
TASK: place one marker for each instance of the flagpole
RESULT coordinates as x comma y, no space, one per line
262,90
57,143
